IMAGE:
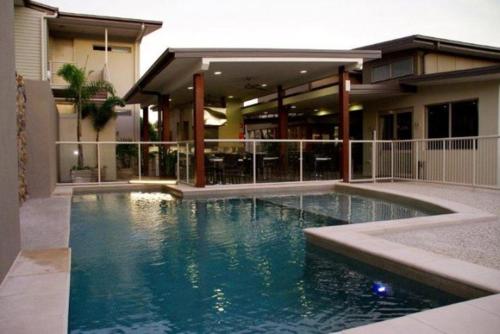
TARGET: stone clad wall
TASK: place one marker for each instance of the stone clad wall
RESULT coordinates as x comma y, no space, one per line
21,139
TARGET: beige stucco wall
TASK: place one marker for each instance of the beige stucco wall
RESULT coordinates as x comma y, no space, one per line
28,31
435,62
123,70
67,158
486,92
10,241
41,133
487,155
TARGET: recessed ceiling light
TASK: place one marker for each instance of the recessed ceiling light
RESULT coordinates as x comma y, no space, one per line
217,73
293,107
230,97
316,109
263,85
169,100
303,71
190,88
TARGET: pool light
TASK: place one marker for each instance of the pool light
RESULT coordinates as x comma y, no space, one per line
381,289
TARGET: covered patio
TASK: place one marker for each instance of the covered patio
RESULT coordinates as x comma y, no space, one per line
202,95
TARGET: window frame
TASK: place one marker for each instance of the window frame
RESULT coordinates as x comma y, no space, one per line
394,113
390,64
450,144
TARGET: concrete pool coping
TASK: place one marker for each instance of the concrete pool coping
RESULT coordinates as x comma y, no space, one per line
360,241
351,235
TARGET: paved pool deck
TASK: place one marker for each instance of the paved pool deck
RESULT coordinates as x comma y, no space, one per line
477,243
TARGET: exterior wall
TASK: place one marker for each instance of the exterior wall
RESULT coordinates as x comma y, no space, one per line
41,131
486,92
67,158
10,240
28,40
123,71
436,62
432,161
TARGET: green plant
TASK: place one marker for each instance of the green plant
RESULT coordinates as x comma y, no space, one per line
101,115
79,91
125,153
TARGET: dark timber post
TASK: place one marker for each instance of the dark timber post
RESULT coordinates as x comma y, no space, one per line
145,137
344,121
283,131
199,129
165,111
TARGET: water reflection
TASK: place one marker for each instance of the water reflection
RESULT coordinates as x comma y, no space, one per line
224,265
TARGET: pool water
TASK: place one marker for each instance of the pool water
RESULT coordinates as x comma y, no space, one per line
150,263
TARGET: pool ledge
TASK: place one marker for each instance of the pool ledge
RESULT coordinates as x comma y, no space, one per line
360,241
34,296
480,315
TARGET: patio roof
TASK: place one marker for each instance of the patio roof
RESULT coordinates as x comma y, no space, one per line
241,73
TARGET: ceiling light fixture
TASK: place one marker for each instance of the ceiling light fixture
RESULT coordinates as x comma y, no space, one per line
303,71
190,88
263,85
230,97
217,73
293,107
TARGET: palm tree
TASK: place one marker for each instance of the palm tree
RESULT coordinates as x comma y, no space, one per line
100,116
80,90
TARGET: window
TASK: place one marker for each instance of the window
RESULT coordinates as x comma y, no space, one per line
381,73
402,67
393,70
396,125
453,119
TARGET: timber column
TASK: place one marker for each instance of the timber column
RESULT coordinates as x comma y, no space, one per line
344,88
145,137
199,129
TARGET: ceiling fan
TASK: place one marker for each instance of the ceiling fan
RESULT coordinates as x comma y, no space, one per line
256,86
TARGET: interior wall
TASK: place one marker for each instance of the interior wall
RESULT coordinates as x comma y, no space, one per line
233,126
9,206
41,132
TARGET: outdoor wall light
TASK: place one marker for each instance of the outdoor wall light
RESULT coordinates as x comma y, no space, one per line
75,152
217,73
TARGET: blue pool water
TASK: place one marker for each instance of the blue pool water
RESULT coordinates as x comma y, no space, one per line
150,263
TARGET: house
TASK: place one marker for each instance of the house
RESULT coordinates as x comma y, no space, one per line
107,47
415,87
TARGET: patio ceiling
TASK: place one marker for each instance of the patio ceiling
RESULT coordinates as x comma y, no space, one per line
241,73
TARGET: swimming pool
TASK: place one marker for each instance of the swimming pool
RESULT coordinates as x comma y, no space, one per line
151,263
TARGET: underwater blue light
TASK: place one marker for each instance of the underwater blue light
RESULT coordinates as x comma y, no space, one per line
381,289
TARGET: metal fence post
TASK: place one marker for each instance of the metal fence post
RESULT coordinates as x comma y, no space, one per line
474,145
301,161
178,164
416,160
98,163
139,163
254,167
444,161
392,161
187,163
374,160
349,147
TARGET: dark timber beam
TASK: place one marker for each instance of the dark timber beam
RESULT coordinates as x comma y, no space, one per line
282,115
344,88
199,129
